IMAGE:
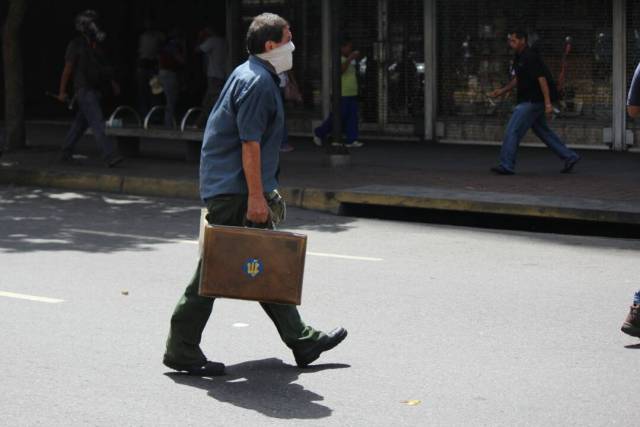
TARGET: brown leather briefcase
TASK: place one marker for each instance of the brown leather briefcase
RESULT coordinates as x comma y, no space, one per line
252,264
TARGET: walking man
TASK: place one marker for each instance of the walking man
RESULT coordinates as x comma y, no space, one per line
631,325
85,61
240,156
535,90
214,50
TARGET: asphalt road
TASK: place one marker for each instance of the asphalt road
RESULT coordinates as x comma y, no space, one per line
447,325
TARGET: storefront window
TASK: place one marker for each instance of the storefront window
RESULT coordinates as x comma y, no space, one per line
574,37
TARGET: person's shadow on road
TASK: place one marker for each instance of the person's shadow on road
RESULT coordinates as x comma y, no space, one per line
266,386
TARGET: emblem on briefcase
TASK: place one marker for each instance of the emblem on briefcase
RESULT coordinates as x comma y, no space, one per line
253,267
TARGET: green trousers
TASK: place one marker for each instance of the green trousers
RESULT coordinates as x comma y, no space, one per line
192,312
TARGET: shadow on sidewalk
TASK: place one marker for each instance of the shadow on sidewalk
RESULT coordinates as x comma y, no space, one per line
265,386
33,219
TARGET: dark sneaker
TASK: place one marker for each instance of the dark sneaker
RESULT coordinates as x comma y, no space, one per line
311,353
569,164
113,160
499,170
631,325
206,369
65,157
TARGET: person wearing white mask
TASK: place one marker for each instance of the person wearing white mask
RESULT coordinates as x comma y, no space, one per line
238,167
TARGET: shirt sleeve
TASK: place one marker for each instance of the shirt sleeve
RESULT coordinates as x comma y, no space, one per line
72,52
634,91
256,109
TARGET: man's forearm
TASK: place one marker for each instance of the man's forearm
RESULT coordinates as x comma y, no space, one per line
251,167
544,86
64,79
509,87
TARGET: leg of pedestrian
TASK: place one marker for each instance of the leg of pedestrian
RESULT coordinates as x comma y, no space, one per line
521,120
552,140
350,117
91,106
321,132
189,319
78,128
306,342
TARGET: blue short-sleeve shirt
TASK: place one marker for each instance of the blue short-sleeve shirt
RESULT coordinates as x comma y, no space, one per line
634,90
249,109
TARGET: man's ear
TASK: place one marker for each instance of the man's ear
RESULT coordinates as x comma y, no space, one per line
269,45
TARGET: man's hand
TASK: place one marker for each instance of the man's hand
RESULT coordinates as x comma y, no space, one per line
62,97
548,110
257,209
496,93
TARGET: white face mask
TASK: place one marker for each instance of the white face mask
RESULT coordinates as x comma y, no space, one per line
281,57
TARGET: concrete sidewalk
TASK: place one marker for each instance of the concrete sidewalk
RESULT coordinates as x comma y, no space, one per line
605,186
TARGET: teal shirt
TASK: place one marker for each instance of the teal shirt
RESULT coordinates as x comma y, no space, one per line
249,109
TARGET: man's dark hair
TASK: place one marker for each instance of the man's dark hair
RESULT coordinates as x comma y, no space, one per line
520,34
264,28
346,39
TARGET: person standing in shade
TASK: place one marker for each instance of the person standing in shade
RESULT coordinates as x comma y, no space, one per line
214,51
87,63
631,325
536,90
170,61
149,44
240,156
348,100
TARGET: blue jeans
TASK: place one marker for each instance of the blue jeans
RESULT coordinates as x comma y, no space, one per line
530,115
169,81
89,115
349,114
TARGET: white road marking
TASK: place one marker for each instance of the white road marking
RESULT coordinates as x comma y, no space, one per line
357,258
30,297
195,242
240,325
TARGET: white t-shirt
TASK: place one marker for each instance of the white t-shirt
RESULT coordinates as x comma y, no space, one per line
149,44
215,49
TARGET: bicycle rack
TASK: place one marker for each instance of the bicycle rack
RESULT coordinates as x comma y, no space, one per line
189,112
124,108
153,110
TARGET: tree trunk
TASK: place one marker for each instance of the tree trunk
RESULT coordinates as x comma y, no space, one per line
13,76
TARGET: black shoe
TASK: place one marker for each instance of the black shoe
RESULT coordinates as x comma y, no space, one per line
569,164
308,355
207,369
65,157
501,171
113,160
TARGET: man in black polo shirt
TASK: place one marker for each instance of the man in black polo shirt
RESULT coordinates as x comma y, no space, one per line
535,93
86,63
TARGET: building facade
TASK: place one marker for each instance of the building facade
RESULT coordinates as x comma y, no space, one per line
427,65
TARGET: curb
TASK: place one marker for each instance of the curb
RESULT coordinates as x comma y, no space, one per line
590,210
306,198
